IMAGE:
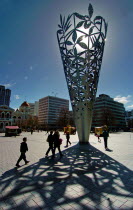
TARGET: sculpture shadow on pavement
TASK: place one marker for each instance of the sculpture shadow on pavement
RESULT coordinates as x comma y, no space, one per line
84,177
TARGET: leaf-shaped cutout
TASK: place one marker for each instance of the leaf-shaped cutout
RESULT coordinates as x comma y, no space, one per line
59,26
69,43
68,27
74,36
97,18
79,16
87,25
80,39
83,45
61,19
82,67
81,53
79,24
63,48
97,22
90,10
59,31
75,51
106,27
91,30
82,59
68,18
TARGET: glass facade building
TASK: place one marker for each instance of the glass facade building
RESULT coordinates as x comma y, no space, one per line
108,112
4,96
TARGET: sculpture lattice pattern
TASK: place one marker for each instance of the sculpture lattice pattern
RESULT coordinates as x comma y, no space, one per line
81,44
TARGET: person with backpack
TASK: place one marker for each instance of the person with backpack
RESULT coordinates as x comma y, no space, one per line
67,138
50,140
57,143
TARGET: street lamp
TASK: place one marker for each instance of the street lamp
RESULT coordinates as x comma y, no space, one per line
81,42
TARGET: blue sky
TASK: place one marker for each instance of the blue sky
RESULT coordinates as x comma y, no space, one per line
30,62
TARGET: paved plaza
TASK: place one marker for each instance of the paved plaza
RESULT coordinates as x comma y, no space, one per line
86,177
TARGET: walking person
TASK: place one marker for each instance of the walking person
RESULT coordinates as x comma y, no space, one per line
23,150
67,138
50,140
31,131
105,137
57,143
98,136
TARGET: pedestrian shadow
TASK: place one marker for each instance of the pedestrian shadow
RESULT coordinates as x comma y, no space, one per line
84,178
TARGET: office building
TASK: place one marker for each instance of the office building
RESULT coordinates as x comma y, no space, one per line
129,114
129,119
108,112
50,108
4,96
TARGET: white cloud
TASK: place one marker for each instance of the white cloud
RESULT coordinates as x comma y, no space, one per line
9,62
8,85
31,67
17,97
123,99
25,77
130,107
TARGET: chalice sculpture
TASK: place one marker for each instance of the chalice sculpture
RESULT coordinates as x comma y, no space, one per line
81,42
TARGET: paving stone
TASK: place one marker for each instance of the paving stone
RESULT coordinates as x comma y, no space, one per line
86,177
118,203
107,203
32,204
129,203
42,204
124,207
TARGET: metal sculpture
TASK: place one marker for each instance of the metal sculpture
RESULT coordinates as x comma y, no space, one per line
81,44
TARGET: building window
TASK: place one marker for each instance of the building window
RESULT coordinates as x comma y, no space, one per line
14,119
3,115
1,125
7,115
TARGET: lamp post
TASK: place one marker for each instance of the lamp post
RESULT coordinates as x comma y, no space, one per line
81,42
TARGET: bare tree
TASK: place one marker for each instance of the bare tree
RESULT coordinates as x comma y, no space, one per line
65,118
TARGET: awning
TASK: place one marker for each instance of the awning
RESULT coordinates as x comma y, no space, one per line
12,127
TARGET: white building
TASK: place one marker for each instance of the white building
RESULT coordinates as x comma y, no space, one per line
31,109
36,108
50,108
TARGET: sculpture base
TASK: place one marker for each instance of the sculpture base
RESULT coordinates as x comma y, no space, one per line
83,143
83,119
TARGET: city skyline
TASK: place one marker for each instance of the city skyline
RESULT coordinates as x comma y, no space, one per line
30,61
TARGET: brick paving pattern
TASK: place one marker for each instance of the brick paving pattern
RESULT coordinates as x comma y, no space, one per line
86,177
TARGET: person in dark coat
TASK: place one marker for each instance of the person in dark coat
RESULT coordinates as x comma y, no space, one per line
23,150
50,140
67,138
57,143
31,131
105,137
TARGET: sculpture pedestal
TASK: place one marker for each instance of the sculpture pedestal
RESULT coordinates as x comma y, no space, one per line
83,118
